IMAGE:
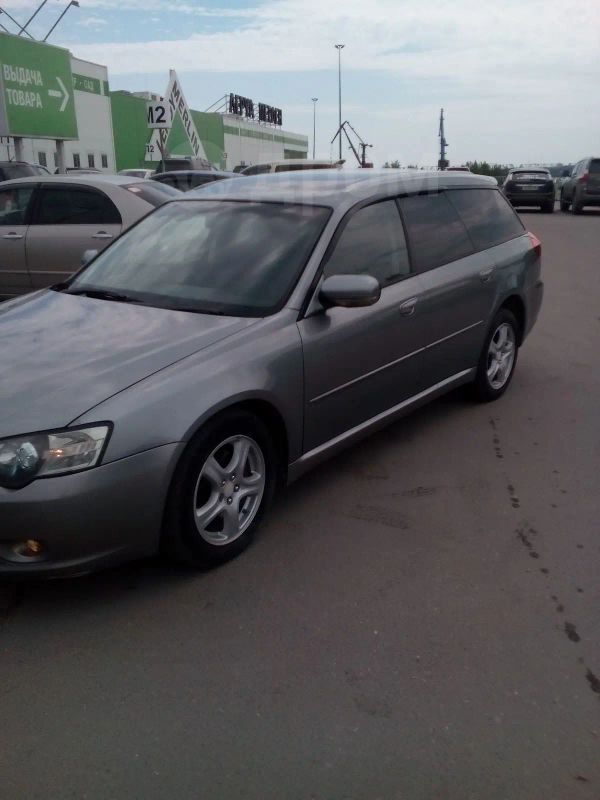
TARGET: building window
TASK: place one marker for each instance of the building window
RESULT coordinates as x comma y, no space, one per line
76,161
104,161
91,160
42,159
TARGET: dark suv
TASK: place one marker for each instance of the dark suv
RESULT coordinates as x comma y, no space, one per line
19,169
582,187
530,187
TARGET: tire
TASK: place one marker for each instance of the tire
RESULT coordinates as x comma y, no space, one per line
548,208
576,205
486,388
206,478
564,204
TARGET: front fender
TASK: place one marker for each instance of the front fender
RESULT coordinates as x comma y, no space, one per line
263,363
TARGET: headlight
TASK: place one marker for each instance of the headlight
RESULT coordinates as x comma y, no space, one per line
42,455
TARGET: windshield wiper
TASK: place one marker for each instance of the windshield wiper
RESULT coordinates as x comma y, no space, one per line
104,294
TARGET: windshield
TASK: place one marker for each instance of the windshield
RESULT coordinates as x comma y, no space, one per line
531,175
220,257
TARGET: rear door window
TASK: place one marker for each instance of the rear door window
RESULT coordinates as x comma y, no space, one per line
595,166
487,216
72,205
372,243
435,231
14,203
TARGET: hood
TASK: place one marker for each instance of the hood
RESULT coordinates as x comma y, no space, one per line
62,354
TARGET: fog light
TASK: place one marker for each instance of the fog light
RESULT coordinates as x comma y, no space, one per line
29,549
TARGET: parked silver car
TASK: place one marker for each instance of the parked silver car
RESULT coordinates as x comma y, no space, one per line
48,222
235,338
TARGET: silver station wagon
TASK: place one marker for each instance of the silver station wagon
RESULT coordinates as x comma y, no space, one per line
235,338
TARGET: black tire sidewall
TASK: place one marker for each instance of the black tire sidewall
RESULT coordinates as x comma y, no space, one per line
484,391
181,539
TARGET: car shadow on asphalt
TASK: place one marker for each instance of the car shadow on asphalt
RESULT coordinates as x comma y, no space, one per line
70,596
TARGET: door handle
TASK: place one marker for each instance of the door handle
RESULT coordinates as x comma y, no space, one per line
486,274
407,309
13,236
102,235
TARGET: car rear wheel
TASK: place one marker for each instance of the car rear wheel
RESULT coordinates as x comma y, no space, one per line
548,208
498,358
222,488
564,204
576,205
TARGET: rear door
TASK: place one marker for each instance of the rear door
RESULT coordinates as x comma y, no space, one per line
593,183
15,205
458,284
359,362
67,220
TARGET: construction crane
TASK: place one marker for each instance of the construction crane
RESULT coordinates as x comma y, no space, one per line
443,162
362,145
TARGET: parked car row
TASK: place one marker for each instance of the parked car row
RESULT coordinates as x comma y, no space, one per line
232,339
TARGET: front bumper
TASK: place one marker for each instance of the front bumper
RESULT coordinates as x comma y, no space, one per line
92,519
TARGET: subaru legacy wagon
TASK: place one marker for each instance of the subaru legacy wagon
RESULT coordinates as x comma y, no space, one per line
235,338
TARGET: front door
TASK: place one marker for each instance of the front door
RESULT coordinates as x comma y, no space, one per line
14,205
359,362
68,219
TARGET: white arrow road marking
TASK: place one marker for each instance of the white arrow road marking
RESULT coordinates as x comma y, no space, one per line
64,94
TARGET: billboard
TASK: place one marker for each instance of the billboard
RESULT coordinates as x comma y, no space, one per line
36,90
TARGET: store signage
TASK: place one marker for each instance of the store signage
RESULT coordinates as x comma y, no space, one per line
158,115
244,107
178,107
36,90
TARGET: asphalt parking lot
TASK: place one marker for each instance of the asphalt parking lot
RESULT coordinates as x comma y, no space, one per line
418,620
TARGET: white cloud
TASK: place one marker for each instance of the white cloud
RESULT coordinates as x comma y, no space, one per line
92,22
475,41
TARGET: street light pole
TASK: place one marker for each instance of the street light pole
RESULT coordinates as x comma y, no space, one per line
72,3
12,19
314,123
35,13
339,48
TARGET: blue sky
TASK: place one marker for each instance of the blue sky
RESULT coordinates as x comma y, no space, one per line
518,78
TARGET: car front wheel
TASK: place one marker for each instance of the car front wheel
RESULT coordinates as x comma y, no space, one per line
498,358
221,490
548,208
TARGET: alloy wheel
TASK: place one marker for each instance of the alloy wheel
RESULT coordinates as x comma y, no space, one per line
501,355
229,490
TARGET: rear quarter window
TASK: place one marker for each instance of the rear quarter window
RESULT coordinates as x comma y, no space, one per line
435,231
487,216
595,166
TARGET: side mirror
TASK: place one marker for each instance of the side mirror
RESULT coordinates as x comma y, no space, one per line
88,256
566,173
349,291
